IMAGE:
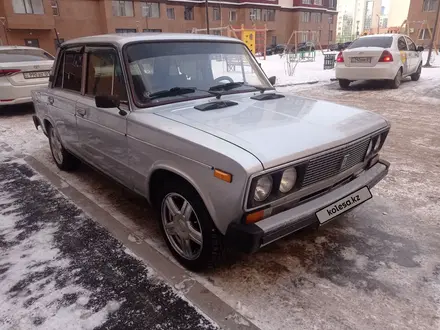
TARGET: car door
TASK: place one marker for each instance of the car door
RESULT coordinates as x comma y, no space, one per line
403,50
62,97
102,131
413,55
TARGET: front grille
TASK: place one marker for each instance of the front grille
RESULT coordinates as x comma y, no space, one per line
328,165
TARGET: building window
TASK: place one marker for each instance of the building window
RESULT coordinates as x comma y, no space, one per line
306,2
274,40
318,2
318,17
269,15
28,7
330,19
430,5
152,30
255,14
305,16
216,14
125,31
188,13
122,8
170,13
55,10
32,43
232,15
150,9
331,4
424,34
58,42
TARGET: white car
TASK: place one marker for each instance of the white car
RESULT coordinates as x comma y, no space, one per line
22,69
388,57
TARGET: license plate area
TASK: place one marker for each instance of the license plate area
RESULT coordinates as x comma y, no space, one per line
361,60
36,74
343,205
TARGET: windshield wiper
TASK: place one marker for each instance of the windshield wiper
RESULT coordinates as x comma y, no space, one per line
175,91
232,85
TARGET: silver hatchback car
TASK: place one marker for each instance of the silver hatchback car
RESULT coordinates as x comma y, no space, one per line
192,123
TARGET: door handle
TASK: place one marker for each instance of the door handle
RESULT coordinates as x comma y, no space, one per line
81,112
50,99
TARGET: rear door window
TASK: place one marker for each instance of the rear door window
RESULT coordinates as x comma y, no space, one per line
24,55
401,44
411,44
69,75
381,42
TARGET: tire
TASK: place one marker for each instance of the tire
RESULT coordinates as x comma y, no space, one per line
176,230
416,76
344,83
395,84
62,158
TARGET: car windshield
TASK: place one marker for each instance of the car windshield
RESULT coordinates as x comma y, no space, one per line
381,42
24,55
161,66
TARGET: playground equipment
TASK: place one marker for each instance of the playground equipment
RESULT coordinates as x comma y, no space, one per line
255,38
409,27
307,53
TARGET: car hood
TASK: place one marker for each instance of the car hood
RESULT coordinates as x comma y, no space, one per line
281,130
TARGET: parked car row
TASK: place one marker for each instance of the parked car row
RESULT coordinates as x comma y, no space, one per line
208,151
340,46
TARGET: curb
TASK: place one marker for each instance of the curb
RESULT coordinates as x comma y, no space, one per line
205,300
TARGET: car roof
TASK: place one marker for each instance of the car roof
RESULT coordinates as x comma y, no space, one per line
394,35
121,39
17,47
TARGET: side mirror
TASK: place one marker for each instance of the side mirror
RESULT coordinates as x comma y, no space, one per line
107,101
420,48
272,80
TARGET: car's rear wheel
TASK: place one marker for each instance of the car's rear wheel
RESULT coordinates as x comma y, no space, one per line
397,81
344,83
187,226
63,159
416,76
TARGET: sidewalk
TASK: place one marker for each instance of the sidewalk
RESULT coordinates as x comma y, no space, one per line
60,270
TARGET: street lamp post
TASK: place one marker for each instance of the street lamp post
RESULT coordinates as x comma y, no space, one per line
207,16
378,23
330,21
431,44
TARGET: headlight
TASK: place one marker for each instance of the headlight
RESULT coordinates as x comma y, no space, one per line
369,149
377,144
263,188
288,180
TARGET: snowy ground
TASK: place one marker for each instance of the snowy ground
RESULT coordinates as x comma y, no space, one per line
374,268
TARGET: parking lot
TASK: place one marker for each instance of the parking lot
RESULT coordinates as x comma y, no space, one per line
374,268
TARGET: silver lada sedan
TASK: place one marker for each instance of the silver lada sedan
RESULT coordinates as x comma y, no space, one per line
192,123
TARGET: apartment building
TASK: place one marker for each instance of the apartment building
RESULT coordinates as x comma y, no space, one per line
421,20
42,22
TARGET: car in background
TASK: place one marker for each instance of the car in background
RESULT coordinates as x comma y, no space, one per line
340,46
225,159
304,47
275,49
22,69
390,57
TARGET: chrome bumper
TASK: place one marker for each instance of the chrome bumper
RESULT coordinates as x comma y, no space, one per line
250,237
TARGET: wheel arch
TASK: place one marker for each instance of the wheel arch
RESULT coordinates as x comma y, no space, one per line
161,172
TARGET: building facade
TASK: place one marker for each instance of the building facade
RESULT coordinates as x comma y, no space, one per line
421,21
43,22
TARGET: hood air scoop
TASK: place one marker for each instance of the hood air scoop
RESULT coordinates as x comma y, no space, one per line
215,105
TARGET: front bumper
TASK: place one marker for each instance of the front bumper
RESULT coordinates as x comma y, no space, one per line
251,237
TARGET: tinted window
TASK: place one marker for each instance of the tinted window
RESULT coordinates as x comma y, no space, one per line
24,55
411,45
70,71
401,43
382,42
104,74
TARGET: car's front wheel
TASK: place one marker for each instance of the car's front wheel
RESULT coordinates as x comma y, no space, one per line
188,228
344,83
395,84
416,76
63,159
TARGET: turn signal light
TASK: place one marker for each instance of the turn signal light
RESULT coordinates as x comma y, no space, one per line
386,57
8,72
223,175
254,217
340,58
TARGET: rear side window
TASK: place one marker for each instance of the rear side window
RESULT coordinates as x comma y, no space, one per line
24,55
69,73
401,43
381,42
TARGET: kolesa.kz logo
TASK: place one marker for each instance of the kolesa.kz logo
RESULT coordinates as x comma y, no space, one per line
347,203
